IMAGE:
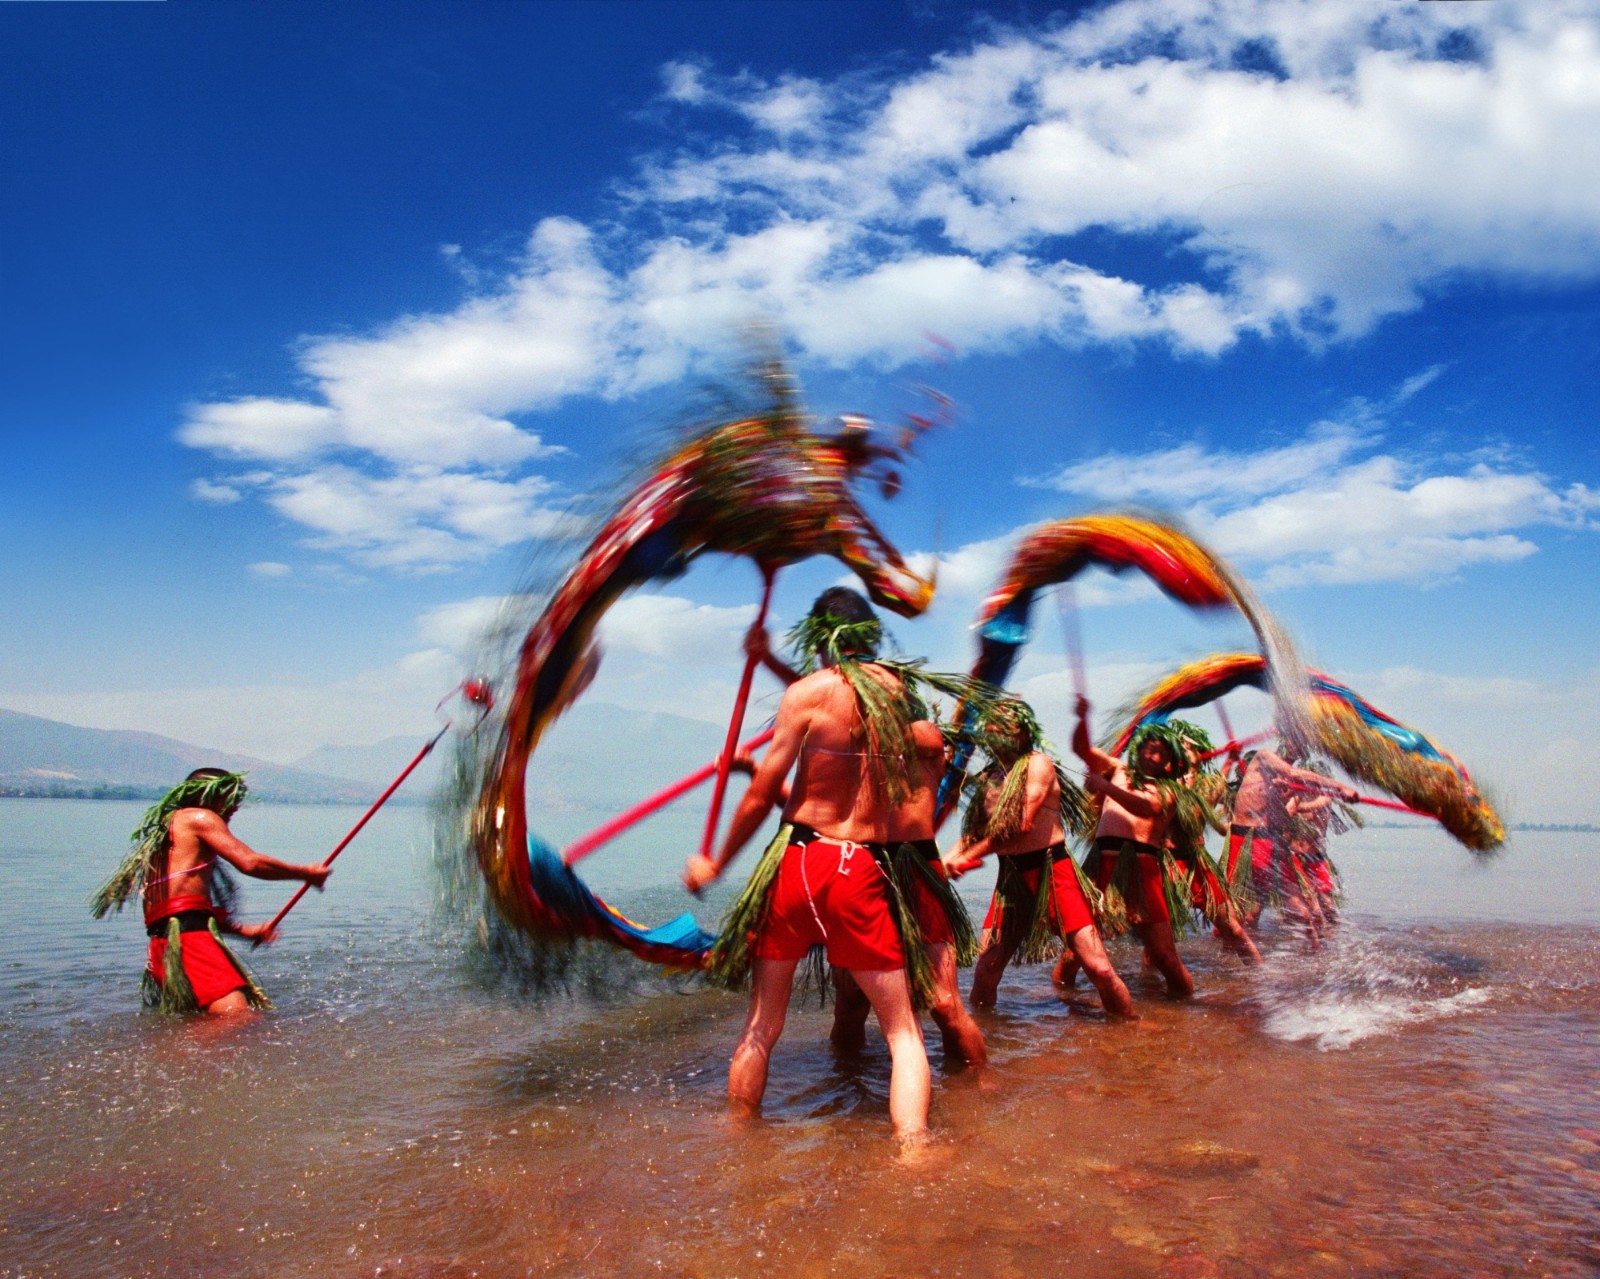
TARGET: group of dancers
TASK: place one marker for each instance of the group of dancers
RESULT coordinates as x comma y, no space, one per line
854,874
863,772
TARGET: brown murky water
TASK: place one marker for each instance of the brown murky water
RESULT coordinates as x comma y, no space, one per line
1423,1099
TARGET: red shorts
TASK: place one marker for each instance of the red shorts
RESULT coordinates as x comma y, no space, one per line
932,921
1017,891
1320,876
834,894
210,972
1153,909
1260,851
1205,888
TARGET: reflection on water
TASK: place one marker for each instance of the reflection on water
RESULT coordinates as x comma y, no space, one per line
1421,1099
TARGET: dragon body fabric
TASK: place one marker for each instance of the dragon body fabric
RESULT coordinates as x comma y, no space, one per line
1058,551
1361,739
764,487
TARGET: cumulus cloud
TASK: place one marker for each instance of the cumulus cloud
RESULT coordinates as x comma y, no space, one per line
1333,509
269,569
1150,172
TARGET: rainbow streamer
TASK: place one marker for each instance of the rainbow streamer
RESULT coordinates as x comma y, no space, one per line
1367,743
1060,550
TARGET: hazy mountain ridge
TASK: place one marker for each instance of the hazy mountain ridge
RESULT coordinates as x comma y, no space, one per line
44,757
597,758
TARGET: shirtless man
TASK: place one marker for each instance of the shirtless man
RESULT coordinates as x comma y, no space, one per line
910,822
197,837
831,887
1038,848
1259,817
1134,819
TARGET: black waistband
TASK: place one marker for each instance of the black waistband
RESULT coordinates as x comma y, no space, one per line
1248,832
1116,843
927,849
189,921
1035,858
800,833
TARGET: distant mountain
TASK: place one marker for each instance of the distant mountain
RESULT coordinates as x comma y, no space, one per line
45,757
596,758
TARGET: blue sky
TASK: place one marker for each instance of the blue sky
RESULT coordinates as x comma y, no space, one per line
320,321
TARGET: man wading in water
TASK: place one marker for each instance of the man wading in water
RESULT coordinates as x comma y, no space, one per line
832,884
188,896
1037,893
1131,835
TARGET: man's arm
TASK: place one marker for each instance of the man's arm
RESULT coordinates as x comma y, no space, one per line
765,790
213,832
1095,759
1285,772
1140,803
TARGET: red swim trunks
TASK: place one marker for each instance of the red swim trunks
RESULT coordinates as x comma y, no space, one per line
932,921
832,893
1016,893
1153,908
211,973
1206,888
1261,857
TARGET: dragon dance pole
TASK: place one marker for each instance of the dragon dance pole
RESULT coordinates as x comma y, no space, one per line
1372,800
604,834
475,691
356,829
725,762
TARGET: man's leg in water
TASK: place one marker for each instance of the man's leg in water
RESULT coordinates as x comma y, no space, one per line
962,1038
910,1081
850,1009
1087,949
1163,951
769,1006
230,1004
991,965
1231,933
1066,969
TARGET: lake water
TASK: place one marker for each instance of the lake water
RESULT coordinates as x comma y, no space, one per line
1423,1098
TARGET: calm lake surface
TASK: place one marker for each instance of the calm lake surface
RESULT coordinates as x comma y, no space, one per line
1422,1098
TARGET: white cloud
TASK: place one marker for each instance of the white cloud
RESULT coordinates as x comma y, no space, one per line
214,493
1331,509
1189,472
269,569
669,627
1269,167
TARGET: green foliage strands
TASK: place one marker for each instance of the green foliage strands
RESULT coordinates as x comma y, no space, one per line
222,795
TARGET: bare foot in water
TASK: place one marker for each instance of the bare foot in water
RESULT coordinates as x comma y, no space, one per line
920,1152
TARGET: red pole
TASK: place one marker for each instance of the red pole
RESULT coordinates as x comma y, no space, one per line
1369,799
356,829
600,835
1226,747
726,760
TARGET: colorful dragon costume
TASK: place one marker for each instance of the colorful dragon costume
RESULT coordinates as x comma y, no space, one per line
763,486
1341,725
1058,551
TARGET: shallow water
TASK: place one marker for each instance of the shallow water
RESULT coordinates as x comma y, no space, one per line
1422,1098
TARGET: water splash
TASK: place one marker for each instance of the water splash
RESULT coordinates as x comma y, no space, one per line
1362,985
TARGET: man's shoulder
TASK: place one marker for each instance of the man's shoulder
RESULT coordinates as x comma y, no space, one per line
195,819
